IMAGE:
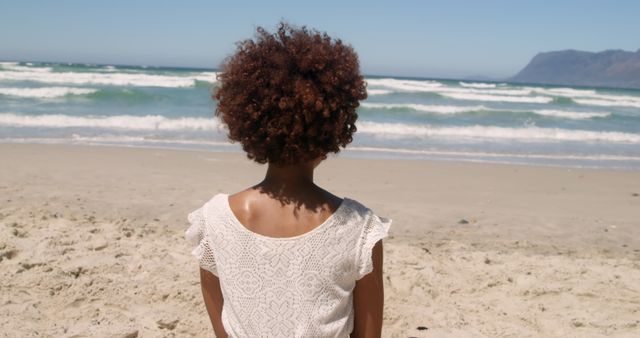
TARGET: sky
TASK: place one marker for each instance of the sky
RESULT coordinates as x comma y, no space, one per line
448,38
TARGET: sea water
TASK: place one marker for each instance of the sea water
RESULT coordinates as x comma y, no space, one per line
403,118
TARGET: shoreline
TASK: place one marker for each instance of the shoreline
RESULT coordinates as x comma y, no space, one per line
385,154
92,242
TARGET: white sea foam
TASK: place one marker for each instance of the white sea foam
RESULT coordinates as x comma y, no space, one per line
135,139
426,86
509,92
378,91
631,98
6,64
442,109
425,108
471,156
29,69
400,130
502,93
116,79
599,157
590,97
16,67
156,122
405,85
609,102
121,140
565,92
129,122
206,77
583,93
477,85
443,89
45,92
498,98
574,115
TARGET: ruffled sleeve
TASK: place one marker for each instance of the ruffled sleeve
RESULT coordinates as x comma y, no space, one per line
198,235
375,229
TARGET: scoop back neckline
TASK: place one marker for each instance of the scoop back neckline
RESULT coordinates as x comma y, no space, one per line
236,222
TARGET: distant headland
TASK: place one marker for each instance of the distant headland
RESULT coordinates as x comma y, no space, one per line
610,68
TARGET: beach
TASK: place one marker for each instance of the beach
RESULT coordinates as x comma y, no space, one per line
92,242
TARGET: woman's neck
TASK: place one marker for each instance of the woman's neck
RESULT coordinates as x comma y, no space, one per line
293,184
289,176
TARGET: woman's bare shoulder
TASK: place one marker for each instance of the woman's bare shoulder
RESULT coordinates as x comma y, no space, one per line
318,199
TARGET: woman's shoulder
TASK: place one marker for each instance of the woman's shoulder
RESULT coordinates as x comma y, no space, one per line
357,208
212,201
359,212
208,208
201,218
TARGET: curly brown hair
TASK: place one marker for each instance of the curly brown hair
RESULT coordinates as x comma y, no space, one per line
291,96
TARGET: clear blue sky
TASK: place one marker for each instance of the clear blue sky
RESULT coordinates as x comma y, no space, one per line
447,38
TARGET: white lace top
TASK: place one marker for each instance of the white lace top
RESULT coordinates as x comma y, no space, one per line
297,286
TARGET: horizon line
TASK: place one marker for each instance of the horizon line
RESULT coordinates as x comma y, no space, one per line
467,78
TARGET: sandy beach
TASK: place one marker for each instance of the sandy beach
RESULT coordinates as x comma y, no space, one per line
92,243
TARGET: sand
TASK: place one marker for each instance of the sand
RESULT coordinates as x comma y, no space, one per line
91,243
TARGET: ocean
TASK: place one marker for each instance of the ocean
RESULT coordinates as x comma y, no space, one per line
403,118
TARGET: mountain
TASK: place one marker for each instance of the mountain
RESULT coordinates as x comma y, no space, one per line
610,68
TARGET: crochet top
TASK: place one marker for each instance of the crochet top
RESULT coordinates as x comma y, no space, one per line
300,286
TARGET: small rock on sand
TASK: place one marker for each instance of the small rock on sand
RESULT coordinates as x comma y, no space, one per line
99,245
169,325
133,334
